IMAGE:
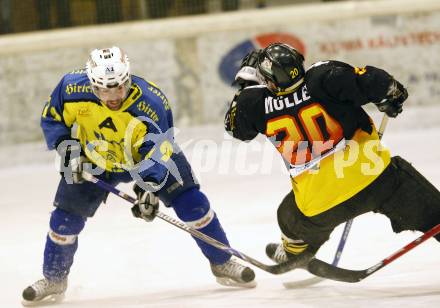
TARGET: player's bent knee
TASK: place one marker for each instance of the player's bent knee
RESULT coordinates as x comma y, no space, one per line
65,227
192,206
286,205
284,212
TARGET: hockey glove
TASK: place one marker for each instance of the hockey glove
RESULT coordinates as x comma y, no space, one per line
71,161
393,101
147,203
251,59
247,75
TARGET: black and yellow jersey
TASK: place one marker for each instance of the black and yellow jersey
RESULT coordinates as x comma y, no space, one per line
113,140
326,139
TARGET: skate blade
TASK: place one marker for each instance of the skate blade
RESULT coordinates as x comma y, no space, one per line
228,282
46,301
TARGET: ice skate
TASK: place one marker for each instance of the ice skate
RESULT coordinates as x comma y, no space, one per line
278,254
233,274
44,291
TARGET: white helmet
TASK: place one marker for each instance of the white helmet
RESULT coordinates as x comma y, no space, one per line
108,68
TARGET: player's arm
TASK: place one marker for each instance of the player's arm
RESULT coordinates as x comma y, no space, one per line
156,144
156,149
241,117
346,84
54,125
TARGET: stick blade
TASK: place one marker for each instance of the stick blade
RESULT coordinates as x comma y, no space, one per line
328,271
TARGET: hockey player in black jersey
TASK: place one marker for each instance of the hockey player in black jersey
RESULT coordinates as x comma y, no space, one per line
330,145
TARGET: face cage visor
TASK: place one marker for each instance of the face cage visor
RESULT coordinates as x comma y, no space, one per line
113,92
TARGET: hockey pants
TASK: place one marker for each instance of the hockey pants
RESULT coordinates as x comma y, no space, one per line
401,193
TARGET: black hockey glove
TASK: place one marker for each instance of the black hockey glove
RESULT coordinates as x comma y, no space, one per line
146,205
393,101
251,59
72,159
247,75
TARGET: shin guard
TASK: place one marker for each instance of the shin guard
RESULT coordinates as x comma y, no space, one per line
61,243
193,208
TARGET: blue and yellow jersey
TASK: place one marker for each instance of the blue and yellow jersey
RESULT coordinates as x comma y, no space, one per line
113,140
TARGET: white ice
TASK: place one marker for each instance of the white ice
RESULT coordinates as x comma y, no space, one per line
125,262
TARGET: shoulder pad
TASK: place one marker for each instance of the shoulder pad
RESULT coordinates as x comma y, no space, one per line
323,69
316,64
77,85
151,92
328,65
78,71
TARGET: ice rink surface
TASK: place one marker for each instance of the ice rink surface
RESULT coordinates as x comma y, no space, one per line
125,262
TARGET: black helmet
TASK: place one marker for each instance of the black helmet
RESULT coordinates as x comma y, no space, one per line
283,65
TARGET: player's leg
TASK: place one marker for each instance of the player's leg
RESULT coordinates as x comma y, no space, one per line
308,233
61,243
193,207
415,204
296,230
74,203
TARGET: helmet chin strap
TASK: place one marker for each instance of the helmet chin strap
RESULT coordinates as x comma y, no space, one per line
291,88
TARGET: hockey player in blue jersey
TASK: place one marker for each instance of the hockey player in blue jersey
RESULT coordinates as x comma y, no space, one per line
124,130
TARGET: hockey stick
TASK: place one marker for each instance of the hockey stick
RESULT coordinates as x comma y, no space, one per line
315,266
383,125
273,269
344,236
323,269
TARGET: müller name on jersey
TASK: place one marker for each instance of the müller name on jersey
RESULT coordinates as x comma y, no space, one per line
272,103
